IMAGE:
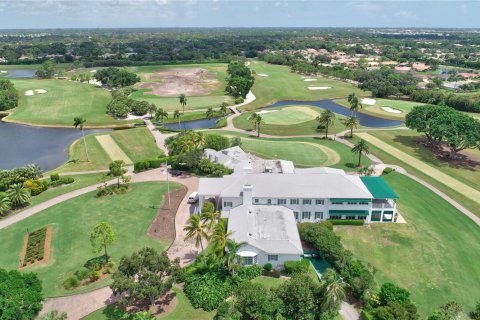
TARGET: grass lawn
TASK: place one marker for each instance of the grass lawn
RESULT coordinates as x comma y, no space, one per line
304,152
292,122
129,215
183,310
406,141
282,84
435,255
138,144
269,282
376,110
214,99
63,101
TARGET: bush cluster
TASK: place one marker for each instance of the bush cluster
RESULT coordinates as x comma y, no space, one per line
300,266
148,164
8,95
35,246
342,222
213,169
18,175
387,170
108,190
36,186
91,273
61,181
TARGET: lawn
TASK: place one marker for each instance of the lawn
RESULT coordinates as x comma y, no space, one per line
214,99
376,110
138,144
293,122
63,101
129,215
183,310
269,282
435,255
282,84
407,142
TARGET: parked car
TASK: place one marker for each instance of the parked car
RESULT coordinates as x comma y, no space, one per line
176,173
193,197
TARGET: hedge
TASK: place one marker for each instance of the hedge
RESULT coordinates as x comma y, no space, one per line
297,266
366,316
148,164
344,222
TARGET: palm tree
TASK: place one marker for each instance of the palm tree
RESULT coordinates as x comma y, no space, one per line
257,121
160,114
210,113
351,123
220,237
333,292
18,195
183,101
223,109
79,122
152,108
209,219
354,102
176,115
361,148
327,118
195,229
4,205
198,139
231,250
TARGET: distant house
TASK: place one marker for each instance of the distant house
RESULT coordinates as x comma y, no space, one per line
468,75
3,60
420,67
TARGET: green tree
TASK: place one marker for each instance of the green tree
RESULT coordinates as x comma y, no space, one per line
390,292
220,237
209,114
18,195
79,122
351,123
361,148
255,301
209,219
145,275
475,315
223,109
257,121
231,250
176,115
216,142
4,205
420,119
449,311
161,114
236,141
354,102
54,315
333,292
20,295
46,70
300,296
116,77
326,118
101,236
152,109
196,230
8,95
116,170
183,101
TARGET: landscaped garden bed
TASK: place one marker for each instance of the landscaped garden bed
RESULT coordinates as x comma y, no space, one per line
36,247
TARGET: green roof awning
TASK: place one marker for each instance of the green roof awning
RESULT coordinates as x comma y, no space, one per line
379,188
349,200
349,212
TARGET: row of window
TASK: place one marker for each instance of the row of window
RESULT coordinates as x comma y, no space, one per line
350,202
348,217
306,215
293,201
248,261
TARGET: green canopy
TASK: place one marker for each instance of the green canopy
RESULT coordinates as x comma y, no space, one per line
379,188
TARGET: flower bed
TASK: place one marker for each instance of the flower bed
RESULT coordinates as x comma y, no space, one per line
36,247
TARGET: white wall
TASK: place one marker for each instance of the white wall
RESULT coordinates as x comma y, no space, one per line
262,257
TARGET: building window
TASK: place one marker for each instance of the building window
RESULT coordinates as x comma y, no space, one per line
249,261
256,200
272,257
282,201
353,203
337,202
336,217
227,204
306,215
295,213
293,201
318,201
307,201
351,217
318,215
269,201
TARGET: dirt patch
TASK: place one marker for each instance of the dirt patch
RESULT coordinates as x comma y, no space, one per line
163,226
173,82
163,305
46,255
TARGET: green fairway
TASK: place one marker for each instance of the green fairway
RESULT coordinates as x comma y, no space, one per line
129,214
290,121
407,141
63,101
282,84
376,109
170,103
435,255
138,144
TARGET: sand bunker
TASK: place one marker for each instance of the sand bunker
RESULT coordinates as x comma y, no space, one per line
40,91
266,111
3,71
95,82
388,109
247,63
36,91
263,75
309,80
175,81
319,88
29,93
92,71
369,101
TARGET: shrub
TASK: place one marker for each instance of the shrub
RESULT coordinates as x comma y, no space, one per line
267,267
239,100
300,266
54,177
216,142
18,175
249,273
208,290
387,170
328,225
236,141
148,164
36,186
62,180
82,274
342,222
71,283
94,275
366,316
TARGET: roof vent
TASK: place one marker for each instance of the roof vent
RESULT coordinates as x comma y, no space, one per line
250,234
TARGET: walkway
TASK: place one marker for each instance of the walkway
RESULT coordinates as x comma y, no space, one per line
159,137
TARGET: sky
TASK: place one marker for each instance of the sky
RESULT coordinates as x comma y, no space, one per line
38,14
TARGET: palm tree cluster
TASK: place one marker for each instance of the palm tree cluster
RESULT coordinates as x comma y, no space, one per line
327,119
257,120
354,102
16,197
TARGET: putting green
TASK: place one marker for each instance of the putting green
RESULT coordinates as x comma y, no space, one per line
112,149
288,115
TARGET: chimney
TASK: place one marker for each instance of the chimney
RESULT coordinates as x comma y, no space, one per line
247,194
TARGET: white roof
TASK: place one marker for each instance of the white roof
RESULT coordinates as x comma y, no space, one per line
271,229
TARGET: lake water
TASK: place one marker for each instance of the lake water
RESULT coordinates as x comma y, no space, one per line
20,73
194,124
48,147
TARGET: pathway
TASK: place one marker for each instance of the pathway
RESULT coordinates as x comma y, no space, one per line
159,137
348,312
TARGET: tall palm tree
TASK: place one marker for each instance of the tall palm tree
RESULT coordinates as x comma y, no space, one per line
209,219
183,101
351,123
220,237
78,122
4,205
196,229
354,102
210,113
333,292
176,115
362,149
198,139
152,108
223,109
326,118
18,195
161,114
257,121
231,250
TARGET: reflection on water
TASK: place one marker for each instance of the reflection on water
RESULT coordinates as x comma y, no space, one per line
20,73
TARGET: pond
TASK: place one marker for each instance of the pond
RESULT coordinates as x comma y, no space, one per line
48,147
20,73
194,124
364,119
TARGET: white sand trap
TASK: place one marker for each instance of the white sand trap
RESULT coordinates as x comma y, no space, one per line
262,74
92,71
319,88
29,93
388,109
309,80
40,91
95,82
247,63
266,111
369,101
3,71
